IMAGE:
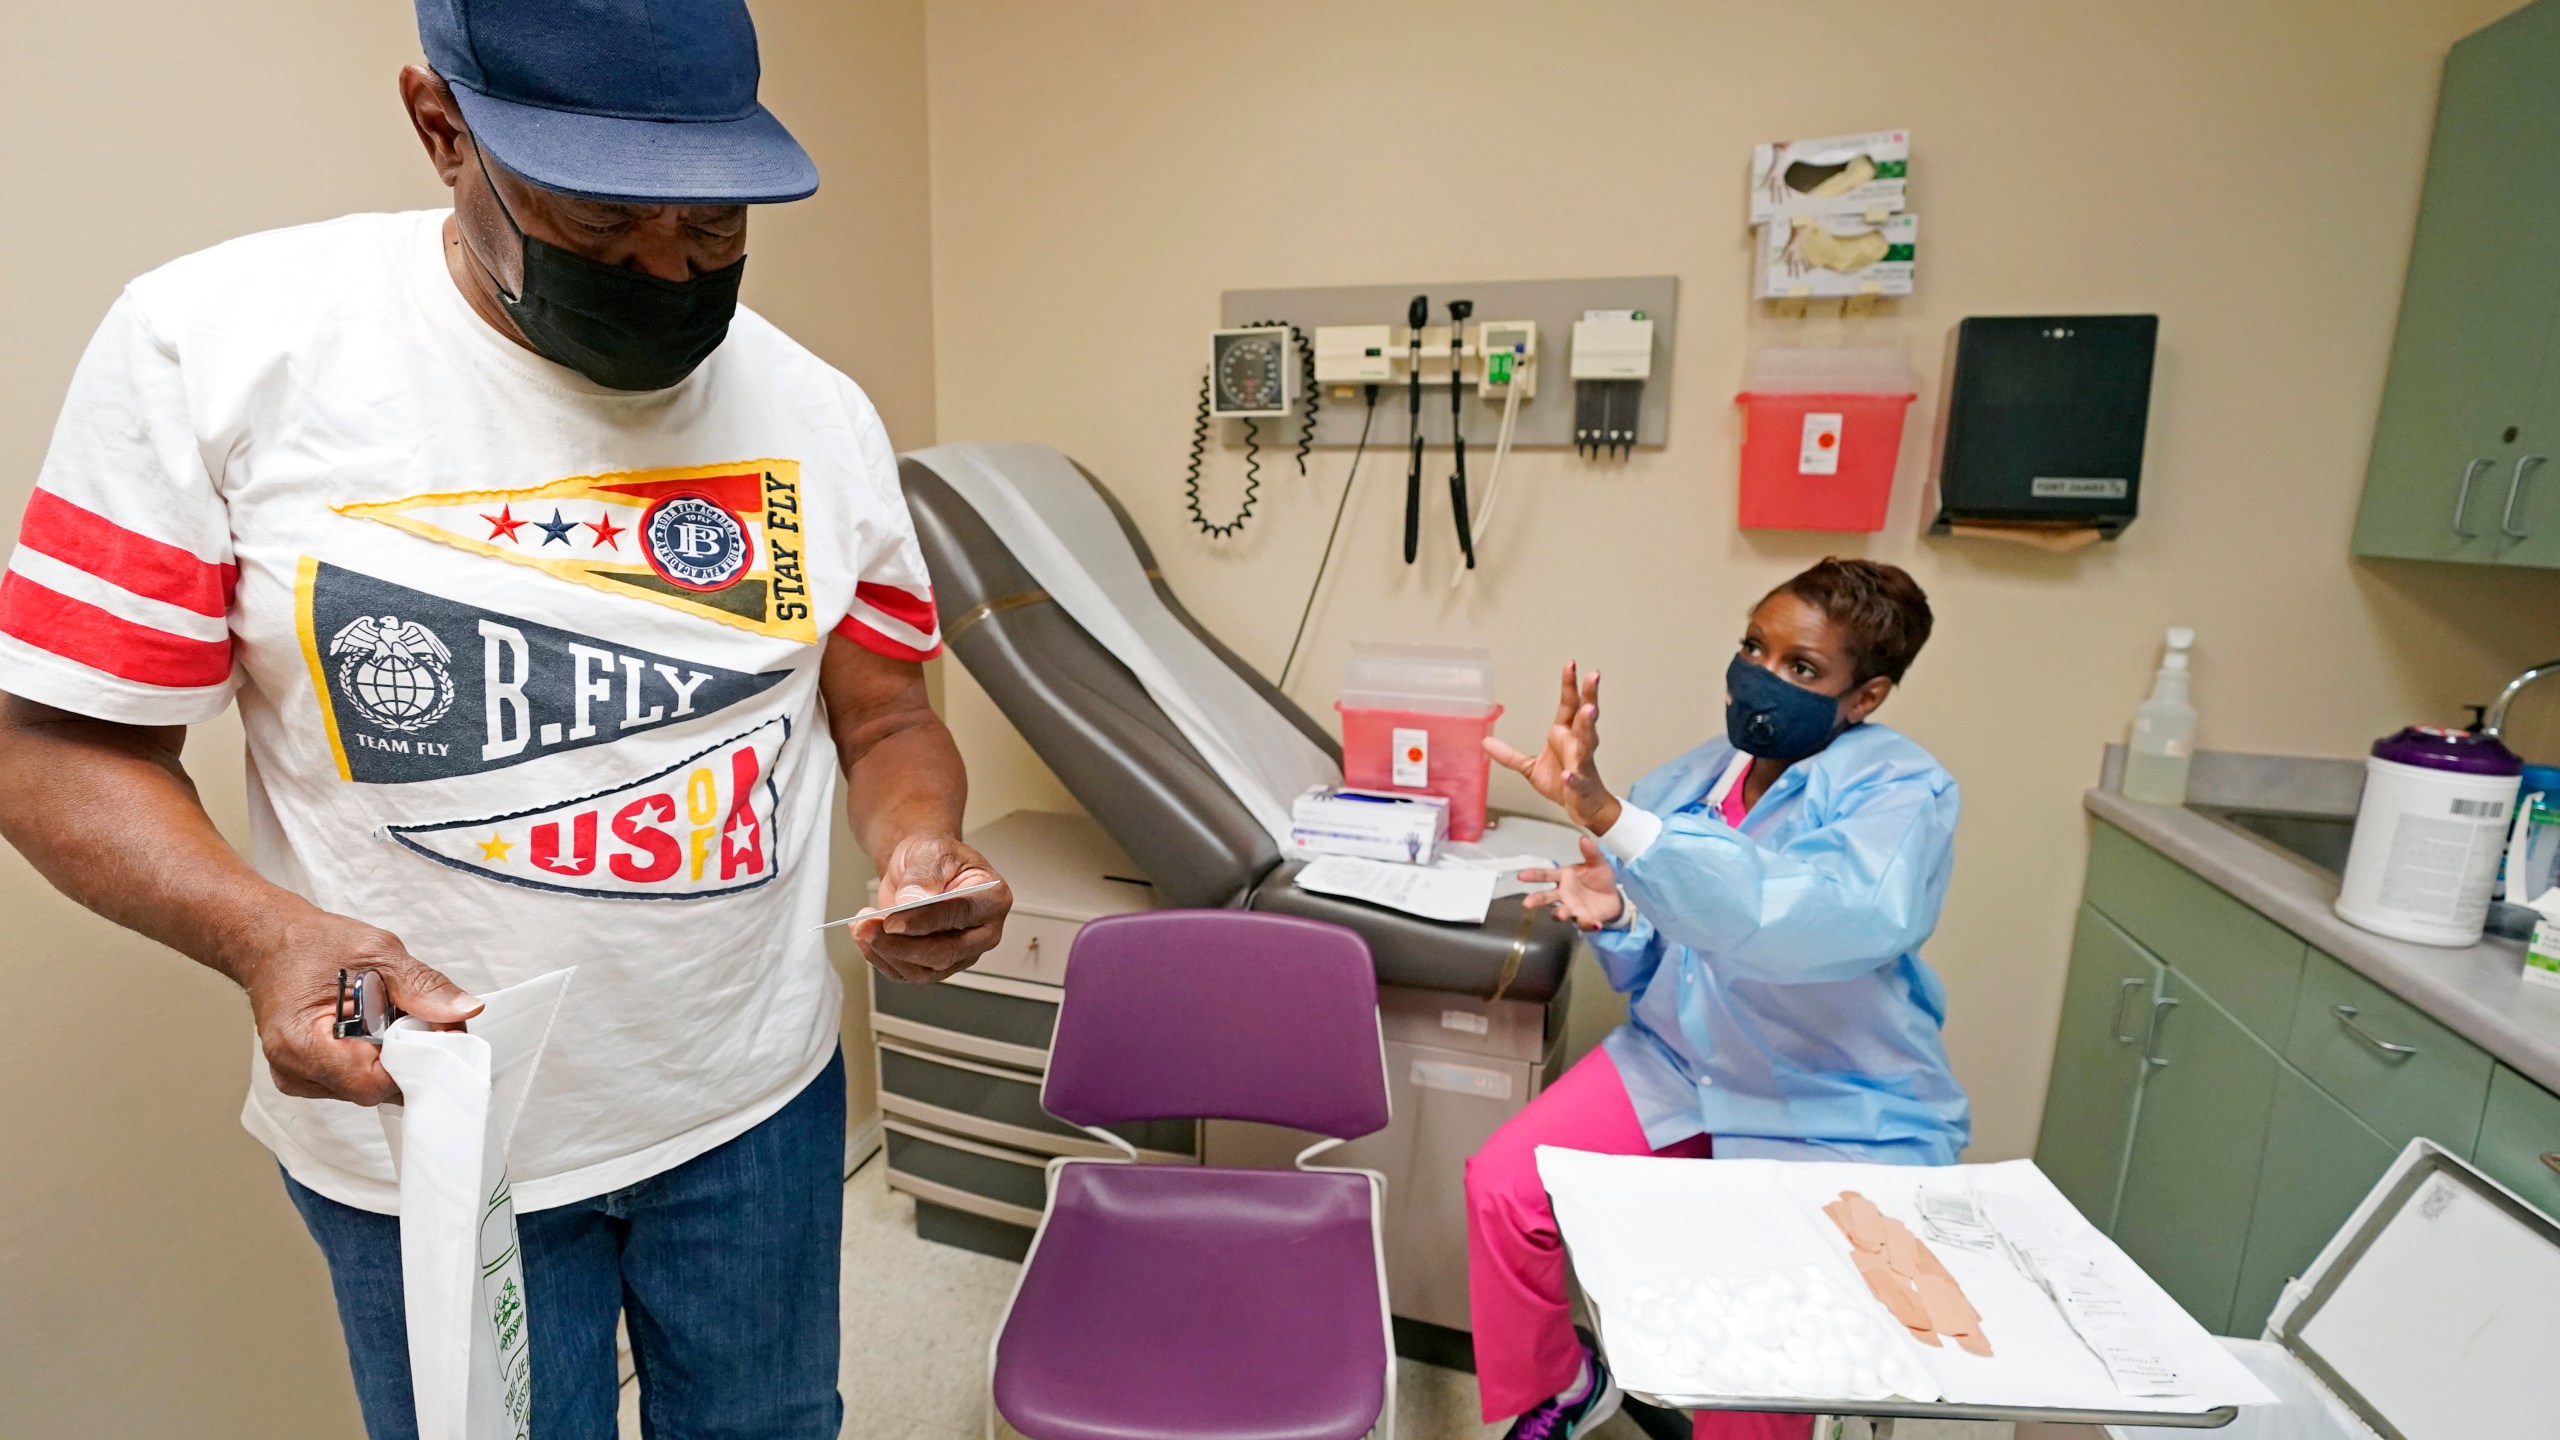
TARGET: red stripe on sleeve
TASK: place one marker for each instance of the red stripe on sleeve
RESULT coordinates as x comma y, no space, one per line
899,605
870,639
154,569
81,632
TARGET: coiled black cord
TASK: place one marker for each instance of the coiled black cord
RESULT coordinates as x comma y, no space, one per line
1191,480
1252,438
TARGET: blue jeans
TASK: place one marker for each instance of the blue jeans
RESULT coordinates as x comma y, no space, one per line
727,1266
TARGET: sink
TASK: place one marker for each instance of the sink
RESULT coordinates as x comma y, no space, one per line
2321,842
2317,840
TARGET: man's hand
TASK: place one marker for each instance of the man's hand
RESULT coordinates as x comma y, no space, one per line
1567,771
933,941
293,996
1586,894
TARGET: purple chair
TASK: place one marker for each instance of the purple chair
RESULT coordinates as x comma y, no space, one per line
1190,1301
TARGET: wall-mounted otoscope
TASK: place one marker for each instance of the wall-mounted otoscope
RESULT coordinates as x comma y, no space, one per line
1416,315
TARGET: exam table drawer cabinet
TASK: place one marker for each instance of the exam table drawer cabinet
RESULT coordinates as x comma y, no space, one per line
2469,405
984,1017
2520,1139
1002,1107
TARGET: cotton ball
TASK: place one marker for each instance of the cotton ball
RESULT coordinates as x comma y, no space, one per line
1831,1377
1828,1351
1784,1286
1798,1376
1818,1291
1645,1295
1864,1383
1708,1333
1762,1329
1651,1341
1799,1349
1756,1373
1807,1324
1683,1359
1758,1295
1902,1376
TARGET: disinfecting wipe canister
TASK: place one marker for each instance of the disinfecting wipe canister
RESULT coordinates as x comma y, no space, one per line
2428,835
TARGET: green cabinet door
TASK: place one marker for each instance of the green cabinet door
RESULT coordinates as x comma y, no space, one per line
2198,1139
2520,1140
2477,311
2097,1066
2320,1162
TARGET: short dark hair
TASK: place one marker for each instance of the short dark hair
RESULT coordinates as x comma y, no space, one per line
1879,608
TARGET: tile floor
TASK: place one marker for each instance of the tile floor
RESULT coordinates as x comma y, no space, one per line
917,1317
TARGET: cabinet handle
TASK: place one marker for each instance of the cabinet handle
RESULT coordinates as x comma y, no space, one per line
2115,1022
2515,487
2151,1032
2462,497
2386,1049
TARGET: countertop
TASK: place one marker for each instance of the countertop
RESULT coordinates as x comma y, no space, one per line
2478,990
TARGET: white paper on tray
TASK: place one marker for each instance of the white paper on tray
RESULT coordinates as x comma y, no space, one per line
1629,1219
1460,896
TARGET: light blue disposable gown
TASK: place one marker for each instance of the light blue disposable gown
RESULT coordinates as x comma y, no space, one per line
1779,996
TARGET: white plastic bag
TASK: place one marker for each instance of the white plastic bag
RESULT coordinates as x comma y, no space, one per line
470,1342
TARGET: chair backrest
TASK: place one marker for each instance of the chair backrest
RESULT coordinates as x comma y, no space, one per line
1219,1014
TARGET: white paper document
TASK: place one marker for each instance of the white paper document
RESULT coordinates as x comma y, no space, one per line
1692,1265
1457,895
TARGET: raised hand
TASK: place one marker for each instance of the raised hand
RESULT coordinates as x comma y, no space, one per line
1586,894
1566,771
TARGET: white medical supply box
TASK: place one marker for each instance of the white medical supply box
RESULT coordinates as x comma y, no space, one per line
2433,1314
1369,824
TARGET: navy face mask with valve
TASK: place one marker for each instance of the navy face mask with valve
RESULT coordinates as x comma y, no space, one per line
1767,716
623,329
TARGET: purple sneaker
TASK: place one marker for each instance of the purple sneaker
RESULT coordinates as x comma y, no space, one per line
1576,1412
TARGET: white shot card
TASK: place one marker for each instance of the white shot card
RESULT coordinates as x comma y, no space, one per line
904,906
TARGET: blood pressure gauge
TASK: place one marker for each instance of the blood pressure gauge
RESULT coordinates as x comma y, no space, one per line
1250,372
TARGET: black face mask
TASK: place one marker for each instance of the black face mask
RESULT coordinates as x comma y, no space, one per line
1767,716
623,329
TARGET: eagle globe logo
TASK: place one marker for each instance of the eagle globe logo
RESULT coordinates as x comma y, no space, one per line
393,671
694,543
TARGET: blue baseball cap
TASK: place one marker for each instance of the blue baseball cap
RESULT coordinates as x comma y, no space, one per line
643,101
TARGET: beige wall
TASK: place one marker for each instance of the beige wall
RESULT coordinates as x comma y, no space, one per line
153,1280
2249,172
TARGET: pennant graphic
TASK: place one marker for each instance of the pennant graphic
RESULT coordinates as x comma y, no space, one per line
703,826
415,686
719,541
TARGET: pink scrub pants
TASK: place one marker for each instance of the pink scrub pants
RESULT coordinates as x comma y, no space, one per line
1526,1350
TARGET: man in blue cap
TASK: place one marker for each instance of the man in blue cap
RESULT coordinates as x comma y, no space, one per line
556,592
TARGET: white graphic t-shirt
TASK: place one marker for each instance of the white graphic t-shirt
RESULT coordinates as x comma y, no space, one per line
528,667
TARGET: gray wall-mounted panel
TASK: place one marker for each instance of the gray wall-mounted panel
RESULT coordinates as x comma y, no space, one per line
1545,419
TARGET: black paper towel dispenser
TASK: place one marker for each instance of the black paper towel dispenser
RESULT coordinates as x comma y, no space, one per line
2043,423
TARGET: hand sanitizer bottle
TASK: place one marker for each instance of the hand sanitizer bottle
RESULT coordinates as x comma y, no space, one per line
2164,731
